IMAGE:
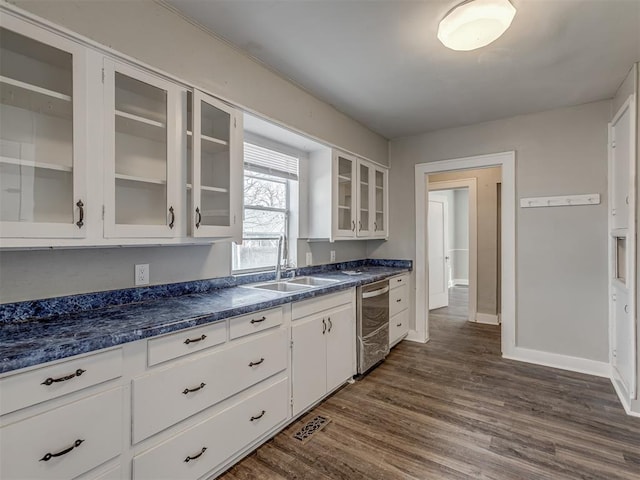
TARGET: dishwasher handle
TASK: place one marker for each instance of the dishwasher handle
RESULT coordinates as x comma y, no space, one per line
375,293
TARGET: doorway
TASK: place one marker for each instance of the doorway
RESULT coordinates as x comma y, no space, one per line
462,246
506,161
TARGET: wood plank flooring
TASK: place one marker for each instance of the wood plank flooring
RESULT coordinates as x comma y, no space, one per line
454,409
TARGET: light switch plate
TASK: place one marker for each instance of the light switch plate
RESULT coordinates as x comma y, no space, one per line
332,255
309,259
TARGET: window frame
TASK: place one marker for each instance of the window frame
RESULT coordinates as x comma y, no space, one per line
287,182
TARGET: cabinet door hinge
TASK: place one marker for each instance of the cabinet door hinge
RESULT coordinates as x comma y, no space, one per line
103,75
614,353
613,297
103,210
613,144
235,122
613,212
291,345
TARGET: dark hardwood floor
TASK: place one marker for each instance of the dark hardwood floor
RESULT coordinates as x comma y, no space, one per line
454,409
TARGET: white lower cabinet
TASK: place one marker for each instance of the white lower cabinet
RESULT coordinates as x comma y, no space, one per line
323,353
179,406
398,308
64,442
170,395
199,449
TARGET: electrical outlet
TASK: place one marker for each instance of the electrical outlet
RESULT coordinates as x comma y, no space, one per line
142,274
332,256
309,259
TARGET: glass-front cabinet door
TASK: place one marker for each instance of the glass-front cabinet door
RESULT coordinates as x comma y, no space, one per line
344,198
143,153
215,190
380,202
42,137
364,199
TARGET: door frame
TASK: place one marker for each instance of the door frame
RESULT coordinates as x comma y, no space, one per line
472,217
507,161
435,197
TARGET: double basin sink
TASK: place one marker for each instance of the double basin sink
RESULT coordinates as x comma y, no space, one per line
294,285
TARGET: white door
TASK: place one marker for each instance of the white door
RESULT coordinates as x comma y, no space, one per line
438,269
340,344
622,227
309,361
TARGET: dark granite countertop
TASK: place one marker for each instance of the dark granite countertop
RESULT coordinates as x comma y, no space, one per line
33,341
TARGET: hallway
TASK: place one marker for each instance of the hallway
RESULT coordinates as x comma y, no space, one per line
454,409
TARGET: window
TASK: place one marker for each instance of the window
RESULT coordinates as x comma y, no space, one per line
270,178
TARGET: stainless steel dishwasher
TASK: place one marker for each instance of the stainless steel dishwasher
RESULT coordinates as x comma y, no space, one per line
372,324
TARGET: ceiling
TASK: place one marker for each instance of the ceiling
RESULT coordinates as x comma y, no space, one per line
379,61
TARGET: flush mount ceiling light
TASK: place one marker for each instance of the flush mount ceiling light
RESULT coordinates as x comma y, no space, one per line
475,23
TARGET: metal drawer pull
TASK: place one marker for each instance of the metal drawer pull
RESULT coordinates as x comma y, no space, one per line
330,324
253,364
192,340
260,320
189,458
50,380
173,217
199,217
324,326
257,417
49,456
190,390
80,221
398,324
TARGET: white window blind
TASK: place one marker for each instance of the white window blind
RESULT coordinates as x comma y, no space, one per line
270,162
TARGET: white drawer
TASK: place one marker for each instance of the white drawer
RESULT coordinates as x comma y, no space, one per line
42,384
186,341
168,396
398,300
315,305
255,322
398,281
198,450
92,426
398,326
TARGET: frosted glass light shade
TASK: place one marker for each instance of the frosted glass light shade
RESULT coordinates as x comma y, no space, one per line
475,23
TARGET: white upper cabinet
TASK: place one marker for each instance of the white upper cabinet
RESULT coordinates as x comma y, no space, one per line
143,153
380,201
43,146
347,197
214,189
344,195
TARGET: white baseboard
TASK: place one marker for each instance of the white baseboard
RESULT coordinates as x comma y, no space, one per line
459,281
487,318
564,362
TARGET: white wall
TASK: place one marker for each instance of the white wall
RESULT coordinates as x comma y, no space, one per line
460,243
151,33
561,252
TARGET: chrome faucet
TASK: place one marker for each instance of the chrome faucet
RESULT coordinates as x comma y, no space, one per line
279,258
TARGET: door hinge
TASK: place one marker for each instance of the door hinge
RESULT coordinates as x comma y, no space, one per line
613,212
614,353
613,144
103,75
103,209
613,297
234,122
234,219
291,345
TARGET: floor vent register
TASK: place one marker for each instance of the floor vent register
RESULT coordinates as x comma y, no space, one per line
310,428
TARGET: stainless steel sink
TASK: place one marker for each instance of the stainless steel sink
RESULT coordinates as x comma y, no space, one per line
285,287
312,281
